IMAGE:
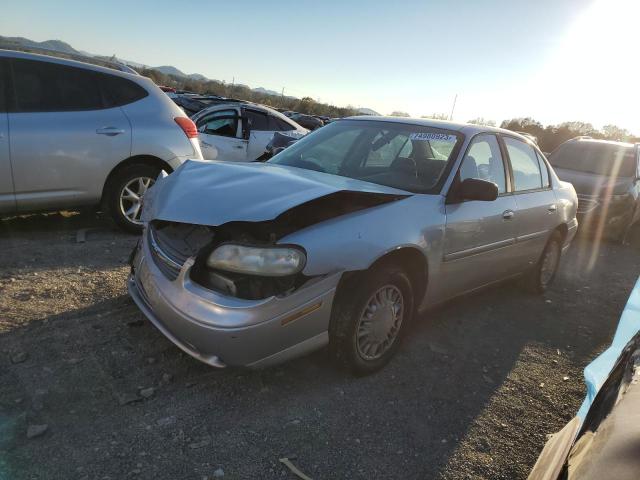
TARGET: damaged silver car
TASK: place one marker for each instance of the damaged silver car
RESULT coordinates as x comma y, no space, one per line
343,237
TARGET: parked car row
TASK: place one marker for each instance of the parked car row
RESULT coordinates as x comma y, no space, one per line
191,103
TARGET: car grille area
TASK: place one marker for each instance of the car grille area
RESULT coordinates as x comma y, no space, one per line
587,203
171,244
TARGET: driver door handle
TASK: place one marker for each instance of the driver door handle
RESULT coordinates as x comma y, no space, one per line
552,208
508,214
109,131
238,146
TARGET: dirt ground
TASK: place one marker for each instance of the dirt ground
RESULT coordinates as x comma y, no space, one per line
90,390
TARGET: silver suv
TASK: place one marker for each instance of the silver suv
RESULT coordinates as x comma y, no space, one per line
74,135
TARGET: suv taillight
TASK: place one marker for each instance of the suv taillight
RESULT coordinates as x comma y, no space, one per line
187,126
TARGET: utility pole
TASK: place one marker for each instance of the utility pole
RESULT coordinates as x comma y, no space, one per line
282,95
453,107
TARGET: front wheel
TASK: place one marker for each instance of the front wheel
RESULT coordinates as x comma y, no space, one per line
542,275
125,193
369,318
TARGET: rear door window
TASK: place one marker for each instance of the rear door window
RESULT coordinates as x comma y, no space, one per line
257,120
278,125
544,170
50,87
524,164
122,91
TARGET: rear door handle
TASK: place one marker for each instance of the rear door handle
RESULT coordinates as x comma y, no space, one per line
508,214
552,208
109,131
238,146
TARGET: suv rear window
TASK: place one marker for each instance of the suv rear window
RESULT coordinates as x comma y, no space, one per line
609,159
122,91
49,87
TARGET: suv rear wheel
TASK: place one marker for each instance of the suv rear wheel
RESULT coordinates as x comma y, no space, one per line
125,193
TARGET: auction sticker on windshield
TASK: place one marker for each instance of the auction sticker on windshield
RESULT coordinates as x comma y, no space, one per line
430,136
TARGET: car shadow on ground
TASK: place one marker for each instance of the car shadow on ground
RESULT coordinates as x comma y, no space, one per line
118,397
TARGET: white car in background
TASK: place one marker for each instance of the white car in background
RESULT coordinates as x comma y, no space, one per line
240,132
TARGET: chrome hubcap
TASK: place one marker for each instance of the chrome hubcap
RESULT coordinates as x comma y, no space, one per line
549,263
131,198
380,322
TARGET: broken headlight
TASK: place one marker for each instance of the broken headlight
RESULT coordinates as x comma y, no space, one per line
262,261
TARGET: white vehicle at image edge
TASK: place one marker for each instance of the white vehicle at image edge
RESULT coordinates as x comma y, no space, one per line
240,132
77,135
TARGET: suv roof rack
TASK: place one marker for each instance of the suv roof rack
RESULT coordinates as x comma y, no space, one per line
583,137
71,56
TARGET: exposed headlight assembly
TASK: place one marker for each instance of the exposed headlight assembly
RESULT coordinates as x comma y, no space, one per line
263,261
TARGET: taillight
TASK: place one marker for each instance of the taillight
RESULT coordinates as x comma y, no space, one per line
187,126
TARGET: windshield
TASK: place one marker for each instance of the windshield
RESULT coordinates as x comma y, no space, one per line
600,158
408,157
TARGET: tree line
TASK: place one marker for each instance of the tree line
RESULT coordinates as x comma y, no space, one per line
551,136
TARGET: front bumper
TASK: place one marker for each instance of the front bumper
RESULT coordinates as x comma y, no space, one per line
221,330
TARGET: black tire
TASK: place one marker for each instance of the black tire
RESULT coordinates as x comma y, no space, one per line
535,281
351,300
115,187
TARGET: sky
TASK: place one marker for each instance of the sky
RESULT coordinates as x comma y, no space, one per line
553,60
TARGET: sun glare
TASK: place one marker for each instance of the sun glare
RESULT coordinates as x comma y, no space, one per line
593,74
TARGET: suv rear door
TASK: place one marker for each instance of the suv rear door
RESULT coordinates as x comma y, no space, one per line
536,202
65,135
7,198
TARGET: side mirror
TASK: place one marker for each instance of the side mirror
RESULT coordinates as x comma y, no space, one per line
246,127
476,189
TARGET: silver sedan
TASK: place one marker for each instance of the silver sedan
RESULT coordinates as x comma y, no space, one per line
343,238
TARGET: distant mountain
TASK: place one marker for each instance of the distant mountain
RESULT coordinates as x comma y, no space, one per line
63,47
55,45
169,70
266,91
368,111
197,76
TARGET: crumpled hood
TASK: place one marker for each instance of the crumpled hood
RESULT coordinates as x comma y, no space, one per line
592,184
214,193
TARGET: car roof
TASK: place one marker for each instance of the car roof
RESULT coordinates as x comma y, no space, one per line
255,106
112,70
465,128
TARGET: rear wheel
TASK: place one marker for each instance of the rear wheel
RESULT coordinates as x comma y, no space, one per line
544,272
125,193
369,318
